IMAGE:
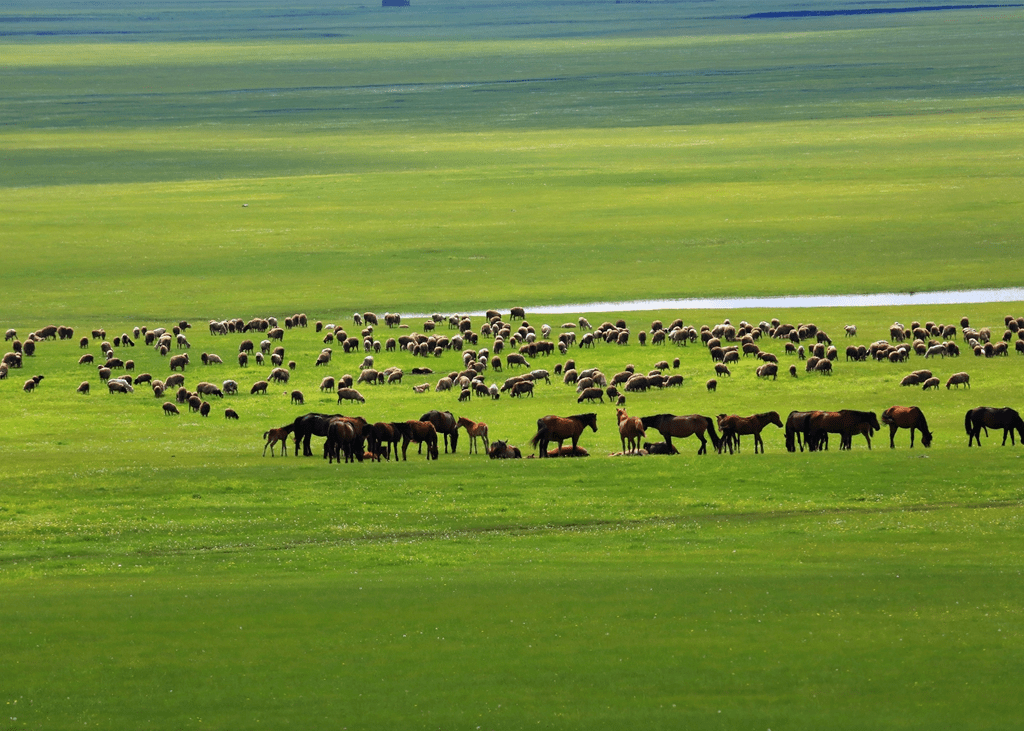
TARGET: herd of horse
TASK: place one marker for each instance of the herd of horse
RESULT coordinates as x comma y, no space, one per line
353,438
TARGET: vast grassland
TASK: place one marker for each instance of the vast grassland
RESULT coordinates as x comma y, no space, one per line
228,160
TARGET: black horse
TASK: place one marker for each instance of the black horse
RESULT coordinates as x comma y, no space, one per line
308,426
989,417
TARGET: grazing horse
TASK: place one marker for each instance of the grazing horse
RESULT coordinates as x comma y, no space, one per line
631,430
444,423
989,417
501,450
419,432
846,423
734,426
345,434
559,428
308,426
380,437
796,430
474,429
671,425
906,417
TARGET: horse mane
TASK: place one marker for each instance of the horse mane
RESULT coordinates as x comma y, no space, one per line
582,417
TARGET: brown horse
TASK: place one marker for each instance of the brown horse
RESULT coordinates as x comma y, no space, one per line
734,426
474,429
988,417
382,438
559,428
906,417
273,436
444,423
671,425
345,434
631,430
419,432
846,423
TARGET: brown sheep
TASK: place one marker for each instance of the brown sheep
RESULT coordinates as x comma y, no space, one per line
259,387
83,387
327,384
195,403
350,394
174,380
179,361
722,370
712,384
204,410
230,414
931,383
792,371
279,375
523,387
957,378
297,397
170,409
590,394
243,360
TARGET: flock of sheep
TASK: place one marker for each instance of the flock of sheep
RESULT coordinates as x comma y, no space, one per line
510,346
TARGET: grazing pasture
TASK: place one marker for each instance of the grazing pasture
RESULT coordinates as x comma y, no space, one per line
215,161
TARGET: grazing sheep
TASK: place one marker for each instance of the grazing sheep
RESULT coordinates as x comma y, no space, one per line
722,370
712,384
327,384
204,410
170,409
279,375
769,370
174,380
209,389
591,394
179,361
86,359
297,397
259,387
116,385
792,371
230,386
444,384
931,383
523,387
350,394
195,403
83,387
824,367
230,414
911,379
422,388
957,378
466,394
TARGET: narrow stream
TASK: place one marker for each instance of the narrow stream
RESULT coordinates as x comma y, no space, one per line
889,299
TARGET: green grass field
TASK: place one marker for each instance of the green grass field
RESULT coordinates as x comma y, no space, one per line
160,162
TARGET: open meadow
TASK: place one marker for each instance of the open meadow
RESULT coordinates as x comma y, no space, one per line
161,162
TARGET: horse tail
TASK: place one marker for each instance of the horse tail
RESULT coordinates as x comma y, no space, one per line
715,441
967,422
539,436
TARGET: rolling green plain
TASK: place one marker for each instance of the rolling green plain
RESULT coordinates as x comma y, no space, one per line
173,161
